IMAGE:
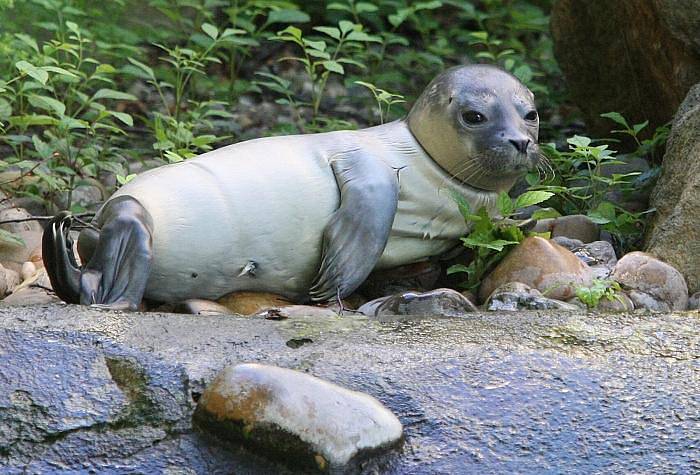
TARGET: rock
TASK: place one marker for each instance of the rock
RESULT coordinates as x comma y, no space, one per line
694,301
636,199
651,283
249,303
568,243
599,256
13,256
475,395
296,417
541,264
201,307
420,276
88,196
518,296
291,311
619,303
627,56
674,234
9,279
576,226
35,290
28,270
79,404
30,295
444,302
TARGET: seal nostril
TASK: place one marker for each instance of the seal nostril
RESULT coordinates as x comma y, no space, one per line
520,145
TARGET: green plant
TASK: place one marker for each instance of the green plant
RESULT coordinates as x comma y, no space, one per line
254,18
384,99
599,289
61,120
584,181
327,55
175,126
490,238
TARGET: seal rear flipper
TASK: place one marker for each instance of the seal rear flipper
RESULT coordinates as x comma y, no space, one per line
57,253
358,231
116,275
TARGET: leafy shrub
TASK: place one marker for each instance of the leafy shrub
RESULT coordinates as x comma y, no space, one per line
491,238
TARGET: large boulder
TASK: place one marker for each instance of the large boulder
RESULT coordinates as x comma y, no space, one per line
90,391
674,235
636,57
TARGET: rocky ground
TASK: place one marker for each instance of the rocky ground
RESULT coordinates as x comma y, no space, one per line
528,392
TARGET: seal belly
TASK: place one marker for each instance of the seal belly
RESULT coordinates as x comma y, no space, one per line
249,217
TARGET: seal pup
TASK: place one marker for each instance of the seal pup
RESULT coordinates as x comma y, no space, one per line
304,216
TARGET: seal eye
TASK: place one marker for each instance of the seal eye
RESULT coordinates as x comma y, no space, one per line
532,115
473,117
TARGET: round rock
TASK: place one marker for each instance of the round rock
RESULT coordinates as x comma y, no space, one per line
14,255
515,296
444,302
694,301
576,226
302,420
651,283
542,264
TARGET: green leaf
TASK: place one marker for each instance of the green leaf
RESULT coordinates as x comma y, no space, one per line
579,141
428,5
617,118
530,198
362,36
142,67
27,40
47,103
317,45
505,204
32,71
60,71
210,30
105,68
496,245
346,26
454,269
339,6
639,127
123,117
32,119
73,27
293,31
112,94
333,66
287,16
123,180
42,148
545,213
5,109
329,30
365,7
318,54
11,238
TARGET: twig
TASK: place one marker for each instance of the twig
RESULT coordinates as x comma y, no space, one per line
46,218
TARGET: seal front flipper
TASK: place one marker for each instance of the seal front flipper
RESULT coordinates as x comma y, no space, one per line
355,237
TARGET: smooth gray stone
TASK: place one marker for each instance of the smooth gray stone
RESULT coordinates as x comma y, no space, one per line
489,393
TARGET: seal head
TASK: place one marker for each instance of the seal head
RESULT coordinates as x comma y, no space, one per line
480,124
